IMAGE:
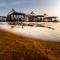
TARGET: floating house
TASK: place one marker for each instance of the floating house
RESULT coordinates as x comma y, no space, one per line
40,18
16,17
50,19
35,18
22,17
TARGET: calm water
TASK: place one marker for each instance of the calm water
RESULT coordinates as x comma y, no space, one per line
36,32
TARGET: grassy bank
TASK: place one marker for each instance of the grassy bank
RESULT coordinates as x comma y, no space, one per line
13,47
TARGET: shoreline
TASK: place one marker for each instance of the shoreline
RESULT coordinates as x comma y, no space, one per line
32,32
21,47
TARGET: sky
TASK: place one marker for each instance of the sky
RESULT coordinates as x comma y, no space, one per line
50,7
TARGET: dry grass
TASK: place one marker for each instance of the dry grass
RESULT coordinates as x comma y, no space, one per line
13,47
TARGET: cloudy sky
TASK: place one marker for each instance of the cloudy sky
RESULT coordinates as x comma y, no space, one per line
51,7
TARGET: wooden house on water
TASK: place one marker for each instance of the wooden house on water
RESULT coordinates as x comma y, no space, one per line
40,18
50,19
36,18
15,17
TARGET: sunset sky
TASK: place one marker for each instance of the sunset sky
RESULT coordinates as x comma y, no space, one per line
51,7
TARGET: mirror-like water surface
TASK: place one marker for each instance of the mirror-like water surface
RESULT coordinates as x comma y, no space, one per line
36,32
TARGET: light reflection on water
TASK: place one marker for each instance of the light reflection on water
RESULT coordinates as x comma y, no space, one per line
36,32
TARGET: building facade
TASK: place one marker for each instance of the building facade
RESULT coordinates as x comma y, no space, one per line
22,17
3,18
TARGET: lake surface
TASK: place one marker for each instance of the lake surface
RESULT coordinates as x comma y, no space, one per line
36,32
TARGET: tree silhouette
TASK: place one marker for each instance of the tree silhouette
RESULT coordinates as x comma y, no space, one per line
32,13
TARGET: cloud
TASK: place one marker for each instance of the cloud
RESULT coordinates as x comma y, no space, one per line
28,5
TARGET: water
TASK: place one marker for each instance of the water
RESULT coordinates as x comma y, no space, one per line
36,32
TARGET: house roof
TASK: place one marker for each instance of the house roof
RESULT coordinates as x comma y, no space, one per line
40,15
36,15
17,13
51,17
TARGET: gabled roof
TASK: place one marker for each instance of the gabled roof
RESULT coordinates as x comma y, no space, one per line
17,13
